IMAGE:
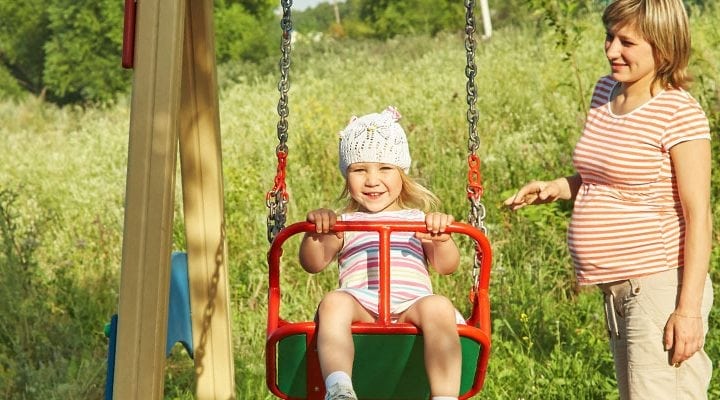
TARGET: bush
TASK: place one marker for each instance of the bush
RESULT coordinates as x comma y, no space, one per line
240,35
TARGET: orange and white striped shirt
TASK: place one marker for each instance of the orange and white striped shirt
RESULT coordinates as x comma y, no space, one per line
627,219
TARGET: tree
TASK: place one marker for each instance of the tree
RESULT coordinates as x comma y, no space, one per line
23,33
83,52
68,51
409,17
241,30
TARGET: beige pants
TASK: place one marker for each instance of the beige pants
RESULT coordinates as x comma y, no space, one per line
637,310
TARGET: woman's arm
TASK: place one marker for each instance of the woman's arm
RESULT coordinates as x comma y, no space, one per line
692,163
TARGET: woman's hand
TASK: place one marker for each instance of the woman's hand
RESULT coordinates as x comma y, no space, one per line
684,335
541,192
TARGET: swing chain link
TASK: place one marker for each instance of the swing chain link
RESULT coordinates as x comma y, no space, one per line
470,73
475,190
277,198
476,215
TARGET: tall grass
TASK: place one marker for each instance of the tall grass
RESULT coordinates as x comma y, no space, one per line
62,182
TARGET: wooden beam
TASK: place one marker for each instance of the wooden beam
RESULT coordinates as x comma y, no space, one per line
202,182
147,237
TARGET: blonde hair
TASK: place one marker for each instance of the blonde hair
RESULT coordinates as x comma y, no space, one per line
663,24
412,195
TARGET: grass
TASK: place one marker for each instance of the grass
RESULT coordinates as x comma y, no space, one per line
62,180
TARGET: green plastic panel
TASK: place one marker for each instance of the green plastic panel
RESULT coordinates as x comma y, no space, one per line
291,375
386,366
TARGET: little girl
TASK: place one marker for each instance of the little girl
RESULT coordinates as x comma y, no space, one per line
374,159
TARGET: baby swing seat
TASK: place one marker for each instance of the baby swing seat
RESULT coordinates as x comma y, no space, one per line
389,360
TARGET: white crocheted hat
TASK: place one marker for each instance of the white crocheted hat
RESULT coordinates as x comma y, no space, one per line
374,138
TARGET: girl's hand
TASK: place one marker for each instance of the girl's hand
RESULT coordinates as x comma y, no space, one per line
436,223
319,248
440,250
324,220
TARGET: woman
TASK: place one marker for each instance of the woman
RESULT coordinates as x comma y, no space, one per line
641,224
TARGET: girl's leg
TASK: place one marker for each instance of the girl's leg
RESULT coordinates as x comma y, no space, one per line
336,312
435,316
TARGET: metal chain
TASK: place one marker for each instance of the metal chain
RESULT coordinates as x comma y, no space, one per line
476,216
470,73
277,198
477,211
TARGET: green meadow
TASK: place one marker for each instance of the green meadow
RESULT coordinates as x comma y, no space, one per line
62,186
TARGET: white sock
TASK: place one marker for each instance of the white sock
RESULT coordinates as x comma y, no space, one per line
443,398
338,377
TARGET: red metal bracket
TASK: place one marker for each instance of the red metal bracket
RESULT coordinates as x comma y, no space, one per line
128,46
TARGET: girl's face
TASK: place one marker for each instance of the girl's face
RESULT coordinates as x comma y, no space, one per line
374,186
630,56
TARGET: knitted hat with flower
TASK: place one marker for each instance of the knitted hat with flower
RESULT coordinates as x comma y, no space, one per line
375,137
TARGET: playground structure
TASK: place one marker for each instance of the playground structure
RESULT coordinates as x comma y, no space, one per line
170,46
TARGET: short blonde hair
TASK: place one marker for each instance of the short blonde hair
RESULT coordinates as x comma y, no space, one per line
663,24
412,195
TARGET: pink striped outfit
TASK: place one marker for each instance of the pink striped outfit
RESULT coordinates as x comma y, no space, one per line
627,219
359,265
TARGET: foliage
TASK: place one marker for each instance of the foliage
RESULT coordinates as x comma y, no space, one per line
256,8
320,17
69,51
407,17
241,35
563,19
9,86
48,314
62,179
82,52
65,50
23,32
383,19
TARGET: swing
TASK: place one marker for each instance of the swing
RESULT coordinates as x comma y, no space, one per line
388,360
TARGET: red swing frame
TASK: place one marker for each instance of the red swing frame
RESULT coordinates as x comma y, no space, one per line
477,328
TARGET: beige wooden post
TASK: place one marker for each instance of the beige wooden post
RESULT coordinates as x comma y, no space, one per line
174,97
145,274
202,181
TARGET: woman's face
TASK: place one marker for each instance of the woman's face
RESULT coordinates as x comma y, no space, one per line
630,57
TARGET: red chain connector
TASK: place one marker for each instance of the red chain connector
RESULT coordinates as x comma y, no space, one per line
280,184
474,187
277,198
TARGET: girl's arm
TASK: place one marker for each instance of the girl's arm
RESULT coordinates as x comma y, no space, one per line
684,330
440,250
319,248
